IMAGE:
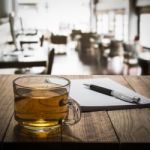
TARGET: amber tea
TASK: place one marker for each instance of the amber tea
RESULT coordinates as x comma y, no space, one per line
41,107
41,102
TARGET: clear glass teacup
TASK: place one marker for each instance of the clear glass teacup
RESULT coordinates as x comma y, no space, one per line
41,103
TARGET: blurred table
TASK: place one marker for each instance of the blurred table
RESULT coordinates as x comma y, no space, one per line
22,59
144,62
115,129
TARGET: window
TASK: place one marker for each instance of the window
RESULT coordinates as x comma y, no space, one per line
113,23
119,26
58,16
144,30
103,23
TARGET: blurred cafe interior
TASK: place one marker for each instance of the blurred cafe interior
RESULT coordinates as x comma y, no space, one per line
78,37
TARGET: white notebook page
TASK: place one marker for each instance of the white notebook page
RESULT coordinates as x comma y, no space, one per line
89,98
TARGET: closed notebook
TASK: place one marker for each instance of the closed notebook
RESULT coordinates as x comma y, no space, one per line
92,101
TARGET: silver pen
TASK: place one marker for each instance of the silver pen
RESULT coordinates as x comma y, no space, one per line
114,93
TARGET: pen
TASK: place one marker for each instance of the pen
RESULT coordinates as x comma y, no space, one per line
114,93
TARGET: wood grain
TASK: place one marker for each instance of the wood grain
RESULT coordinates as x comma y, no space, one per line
93,127
99,131
140,84
133,125
6,103
119,126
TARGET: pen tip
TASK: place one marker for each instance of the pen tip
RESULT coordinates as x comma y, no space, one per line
86,85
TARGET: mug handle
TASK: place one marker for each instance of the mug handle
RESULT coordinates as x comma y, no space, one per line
74,113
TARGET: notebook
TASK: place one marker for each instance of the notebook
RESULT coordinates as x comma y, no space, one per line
93,101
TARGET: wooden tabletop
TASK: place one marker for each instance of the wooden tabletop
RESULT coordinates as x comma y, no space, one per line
100,127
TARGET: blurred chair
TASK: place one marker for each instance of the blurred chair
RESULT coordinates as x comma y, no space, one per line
88,48
86,39
116,57
75,33
131,64
40,70
116,48
59,42
20,36
130,51
86,42
51,55
115,65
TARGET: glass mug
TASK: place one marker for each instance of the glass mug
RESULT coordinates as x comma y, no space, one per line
41,103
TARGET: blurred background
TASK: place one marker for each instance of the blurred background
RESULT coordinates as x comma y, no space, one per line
103,37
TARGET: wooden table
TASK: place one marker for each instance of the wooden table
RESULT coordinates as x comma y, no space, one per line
101,129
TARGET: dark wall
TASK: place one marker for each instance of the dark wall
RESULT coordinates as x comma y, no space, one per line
5,7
